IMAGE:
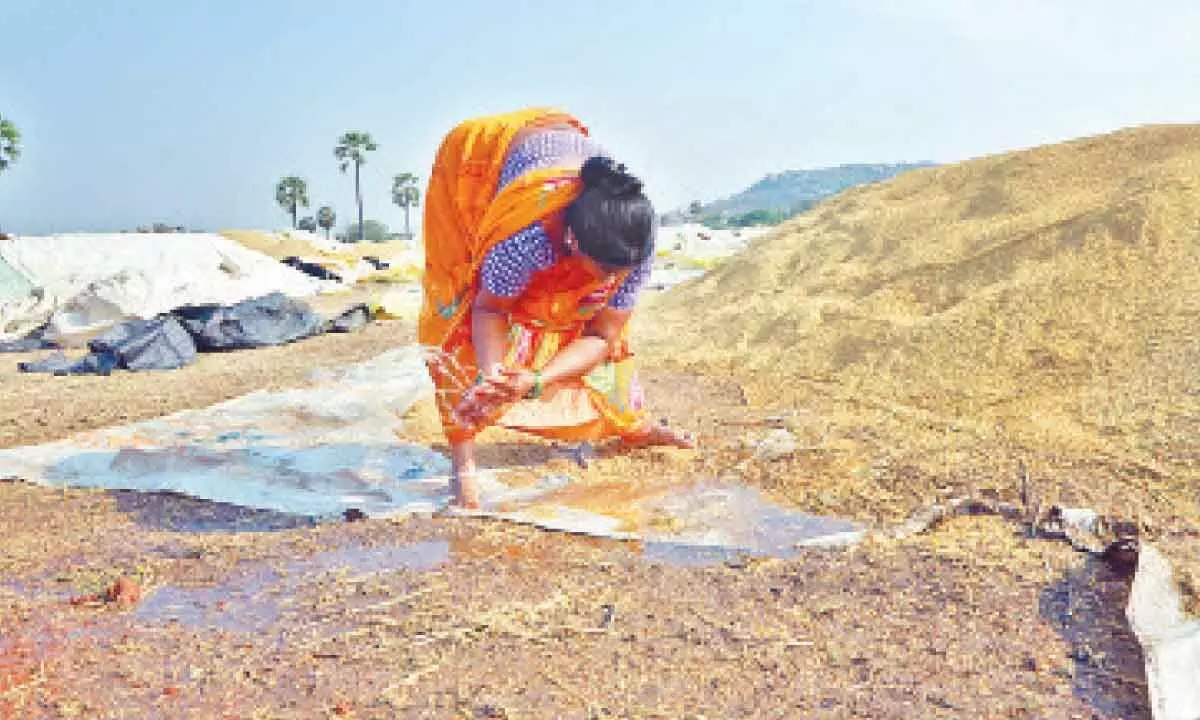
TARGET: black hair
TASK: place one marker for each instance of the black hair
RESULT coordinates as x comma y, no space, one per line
612,219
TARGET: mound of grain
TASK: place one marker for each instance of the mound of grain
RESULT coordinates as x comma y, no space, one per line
1050,297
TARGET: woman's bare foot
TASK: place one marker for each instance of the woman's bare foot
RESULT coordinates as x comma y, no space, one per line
661,435
464,483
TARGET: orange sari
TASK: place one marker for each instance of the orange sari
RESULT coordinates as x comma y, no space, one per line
464,218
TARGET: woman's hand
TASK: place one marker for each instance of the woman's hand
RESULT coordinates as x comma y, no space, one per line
510,385
501,387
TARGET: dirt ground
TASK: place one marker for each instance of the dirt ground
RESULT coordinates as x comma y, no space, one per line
242,614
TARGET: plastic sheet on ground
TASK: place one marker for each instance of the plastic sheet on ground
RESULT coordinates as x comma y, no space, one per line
676,521
330,447
310,451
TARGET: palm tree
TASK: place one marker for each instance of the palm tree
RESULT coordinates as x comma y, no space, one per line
406,195
326,219
10,143
292,193
352,148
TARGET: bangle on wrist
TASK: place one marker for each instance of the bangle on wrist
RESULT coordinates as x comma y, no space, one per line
535,392
495,368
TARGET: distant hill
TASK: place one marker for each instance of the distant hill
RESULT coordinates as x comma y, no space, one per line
781,195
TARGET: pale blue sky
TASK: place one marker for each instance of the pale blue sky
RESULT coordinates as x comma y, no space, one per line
188,111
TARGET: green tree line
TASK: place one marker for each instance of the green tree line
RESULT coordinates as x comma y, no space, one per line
351,151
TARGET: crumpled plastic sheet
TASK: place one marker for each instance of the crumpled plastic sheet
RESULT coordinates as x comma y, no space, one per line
322,450
314,451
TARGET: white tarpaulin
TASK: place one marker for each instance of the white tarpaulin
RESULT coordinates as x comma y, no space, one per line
702,243
321,450
136,275
1170,638
683,252
14,285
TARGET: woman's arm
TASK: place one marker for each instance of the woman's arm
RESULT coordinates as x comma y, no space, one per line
489,329
506,271
597,342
